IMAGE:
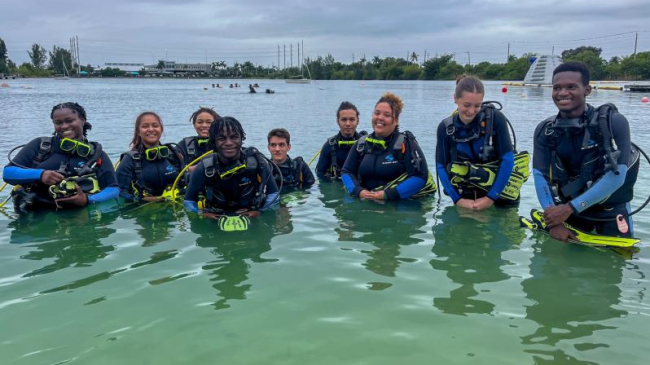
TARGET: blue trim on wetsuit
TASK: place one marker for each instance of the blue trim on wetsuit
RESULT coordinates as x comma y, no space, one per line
505,170
410,187
15,175
110,192
192,206
543,190
271,201
349,184
600,190
446,183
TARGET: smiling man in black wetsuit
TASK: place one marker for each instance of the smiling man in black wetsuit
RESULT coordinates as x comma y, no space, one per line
583,162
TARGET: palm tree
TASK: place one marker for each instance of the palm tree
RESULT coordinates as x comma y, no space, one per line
376,60
414,58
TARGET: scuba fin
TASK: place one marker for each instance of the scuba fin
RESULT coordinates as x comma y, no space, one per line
429,186
482,176
537,223
233,223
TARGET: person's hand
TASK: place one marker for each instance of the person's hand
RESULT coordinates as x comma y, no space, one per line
562,233
191,168
376,195
251,213
557,214
365,194
79,199
482,203
465,203
153,198
51,177
211,215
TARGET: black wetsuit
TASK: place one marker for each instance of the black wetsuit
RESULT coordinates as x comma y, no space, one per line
323,169
378,167
191,148
59,161
607,195
156,175
470,150
243,190
292,169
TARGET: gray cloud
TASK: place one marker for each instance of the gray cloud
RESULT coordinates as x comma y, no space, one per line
142,31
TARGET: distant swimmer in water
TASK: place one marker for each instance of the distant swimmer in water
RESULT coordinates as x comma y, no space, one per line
256,85
475,157
63,170
231,86
195,146
295,172
336,149
149,169
251,89
233,180
387,164
269,91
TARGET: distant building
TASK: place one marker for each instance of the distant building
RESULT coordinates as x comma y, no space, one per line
128,67
178,68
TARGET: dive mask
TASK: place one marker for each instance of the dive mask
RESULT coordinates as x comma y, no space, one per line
161,152
73,146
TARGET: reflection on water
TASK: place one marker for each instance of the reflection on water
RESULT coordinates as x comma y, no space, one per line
72,238
385,225
469,247
574,291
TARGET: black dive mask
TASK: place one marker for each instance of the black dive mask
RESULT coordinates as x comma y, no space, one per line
571,126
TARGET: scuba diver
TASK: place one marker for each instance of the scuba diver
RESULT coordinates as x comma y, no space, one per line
64,170
195,146
387,164
233,179
584,164
149,169
251,89
336,148
295,172
475,158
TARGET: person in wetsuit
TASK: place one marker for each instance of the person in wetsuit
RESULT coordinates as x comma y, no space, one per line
195,146
45,163
233,179
583,162
336,148
149,167
463,137
295,172
379,159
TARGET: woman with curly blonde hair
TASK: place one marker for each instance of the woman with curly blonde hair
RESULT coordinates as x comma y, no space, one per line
387,164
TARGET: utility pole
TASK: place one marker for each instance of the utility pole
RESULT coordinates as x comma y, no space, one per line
552,50
469,58
636,40
278,56
353,57
285,56
206,61
508,56
291,55
425,56
298,58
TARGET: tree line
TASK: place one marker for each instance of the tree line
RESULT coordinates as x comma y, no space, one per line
45,63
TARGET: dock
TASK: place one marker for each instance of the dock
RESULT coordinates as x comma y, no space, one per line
638,88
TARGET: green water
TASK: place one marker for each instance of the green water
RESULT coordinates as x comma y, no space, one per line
325,279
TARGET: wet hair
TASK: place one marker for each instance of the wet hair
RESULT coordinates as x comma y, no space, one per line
346,105
470,84
203,110
574,66
220,126
136,142
77,109
396,104
280,133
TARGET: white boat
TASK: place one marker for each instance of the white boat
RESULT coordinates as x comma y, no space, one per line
300,79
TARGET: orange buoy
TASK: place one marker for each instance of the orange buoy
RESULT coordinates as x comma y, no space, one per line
7,85
644,99
504,90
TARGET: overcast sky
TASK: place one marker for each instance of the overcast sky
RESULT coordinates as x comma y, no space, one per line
142,31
